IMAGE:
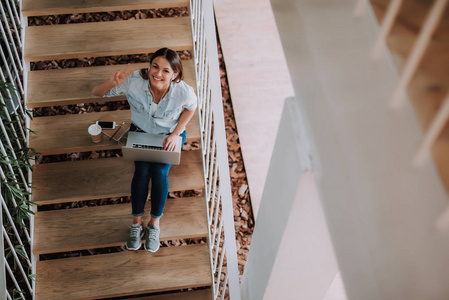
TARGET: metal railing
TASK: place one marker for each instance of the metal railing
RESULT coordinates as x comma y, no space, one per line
433,19
16,265
216,170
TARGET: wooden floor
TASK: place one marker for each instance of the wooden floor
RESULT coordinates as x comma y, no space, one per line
259,81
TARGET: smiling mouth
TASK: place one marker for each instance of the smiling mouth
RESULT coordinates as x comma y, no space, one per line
157,79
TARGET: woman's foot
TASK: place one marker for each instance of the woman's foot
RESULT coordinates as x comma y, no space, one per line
152,238
136,232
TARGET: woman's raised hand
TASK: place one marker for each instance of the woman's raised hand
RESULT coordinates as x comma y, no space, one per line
120,76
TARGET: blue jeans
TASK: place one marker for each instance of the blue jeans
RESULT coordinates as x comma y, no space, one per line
158,173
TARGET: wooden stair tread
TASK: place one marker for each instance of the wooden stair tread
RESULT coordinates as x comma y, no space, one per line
125,273
106,38
104,178
60,7
204,294
68,133
108,225
75,85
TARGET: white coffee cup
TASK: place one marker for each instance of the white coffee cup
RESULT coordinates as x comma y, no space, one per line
95,132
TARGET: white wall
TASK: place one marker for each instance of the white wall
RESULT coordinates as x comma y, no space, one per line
291,256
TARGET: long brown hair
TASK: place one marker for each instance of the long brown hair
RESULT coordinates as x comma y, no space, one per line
174,60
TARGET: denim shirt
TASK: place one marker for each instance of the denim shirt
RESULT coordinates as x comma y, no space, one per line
168,111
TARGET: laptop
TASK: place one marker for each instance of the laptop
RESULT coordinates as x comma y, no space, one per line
142,146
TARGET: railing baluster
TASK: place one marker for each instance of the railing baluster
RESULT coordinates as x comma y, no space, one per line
13,278
418,50
204,96
432,134
392,12
212,208
216,219
215,176
11,39
13,251
19,96
223,291
211,165
206,130
214,148
219,269
208,137
11,221
220,229
3,151
2,175
13,21
8,117
16,73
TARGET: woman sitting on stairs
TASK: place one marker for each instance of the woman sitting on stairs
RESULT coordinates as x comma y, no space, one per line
157,96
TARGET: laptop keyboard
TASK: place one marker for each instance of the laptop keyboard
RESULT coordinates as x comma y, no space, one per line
140,146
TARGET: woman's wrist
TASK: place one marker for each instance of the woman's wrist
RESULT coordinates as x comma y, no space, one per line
177,133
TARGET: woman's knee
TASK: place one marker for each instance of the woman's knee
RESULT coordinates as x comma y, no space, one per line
159,171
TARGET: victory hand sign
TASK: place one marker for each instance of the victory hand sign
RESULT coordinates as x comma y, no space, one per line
120,76
116,79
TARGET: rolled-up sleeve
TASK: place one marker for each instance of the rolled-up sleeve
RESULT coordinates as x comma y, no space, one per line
119,89
191,101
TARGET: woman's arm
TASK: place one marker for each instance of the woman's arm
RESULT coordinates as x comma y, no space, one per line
116,79
171,141
103,87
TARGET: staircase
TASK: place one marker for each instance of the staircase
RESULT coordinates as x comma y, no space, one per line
428,87
120,274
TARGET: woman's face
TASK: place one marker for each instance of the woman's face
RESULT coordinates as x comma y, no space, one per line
161,73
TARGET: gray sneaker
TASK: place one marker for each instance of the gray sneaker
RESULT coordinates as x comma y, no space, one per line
136,232
152,238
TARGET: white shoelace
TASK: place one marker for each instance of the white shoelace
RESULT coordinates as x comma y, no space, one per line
152,233
134,231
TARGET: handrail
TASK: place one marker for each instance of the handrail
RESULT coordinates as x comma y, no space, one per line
218,193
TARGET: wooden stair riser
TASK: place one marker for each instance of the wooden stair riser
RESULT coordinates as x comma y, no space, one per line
74,86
